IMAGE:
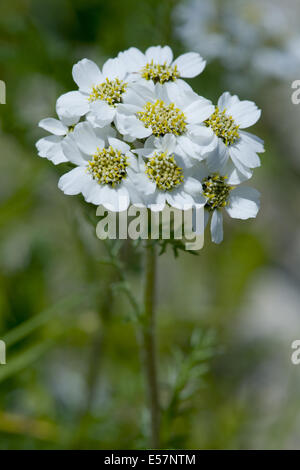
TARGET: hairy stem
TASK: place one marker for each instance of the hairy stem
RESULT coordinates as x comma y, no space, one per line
147,336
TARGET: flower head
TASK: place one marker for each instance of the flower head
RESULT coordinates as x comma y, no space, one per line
163,177
104,166
99,92
240,202
157,65
226,124
157,111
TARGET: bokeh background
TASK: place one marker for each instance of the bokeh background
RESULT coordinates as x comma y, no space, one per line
226,318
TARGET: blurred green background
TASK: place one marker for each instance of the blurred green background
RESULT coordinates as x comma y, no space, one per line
72,378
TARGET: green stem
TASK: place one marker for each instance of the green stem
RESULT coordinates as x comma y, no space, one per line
148,343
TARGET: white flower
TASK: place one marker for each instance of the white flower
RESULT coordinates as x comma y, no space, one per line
162,176
241,202
157,65
50,146
154,110
226,124
103,167
99,92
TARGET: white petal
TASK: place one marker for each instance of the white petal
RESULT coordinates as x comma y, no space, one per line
179,199
180,84
217,159
180,96
86,139
74,181
234,175
216,226
159,55
253,141
133,59
54,126
204,137
86,74
200,171
114,68
116,199
56,154
133,163
227,100
244,154
143,183
101,113
244,203
157,201
127,109
161,92
104,133
72,104
190,64
186,146
244,170
119,145
72,152
139,95
93,192
200,110
43,145
130,125
69,120
245,113
194,188
50,147
167,143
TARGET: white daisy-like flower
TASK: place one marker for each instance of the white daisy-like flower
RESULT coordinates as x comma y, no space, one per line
50,146
240,202
226,123
157,65
99,92
103,170
158,111
162,176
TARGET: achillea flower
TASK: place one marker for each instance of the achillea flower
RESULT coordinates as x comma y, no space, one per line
157,65
104,166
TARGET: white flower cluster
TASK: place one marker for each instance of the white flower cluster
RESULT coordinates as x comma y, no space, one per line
137,133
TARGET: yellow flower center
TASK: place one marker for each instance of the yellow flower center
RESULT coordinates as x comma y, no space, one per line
160,73
110,91
163,118
164,171
223,126
108,166
216,191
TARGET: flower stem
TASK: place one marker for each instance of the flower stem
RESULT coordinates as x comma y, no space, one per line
148,343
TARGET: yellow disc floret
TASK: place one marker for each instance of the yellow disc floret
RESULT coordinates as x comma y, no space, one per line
216,191
223,126
160,73
110,91
163,118
164,171
108,166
